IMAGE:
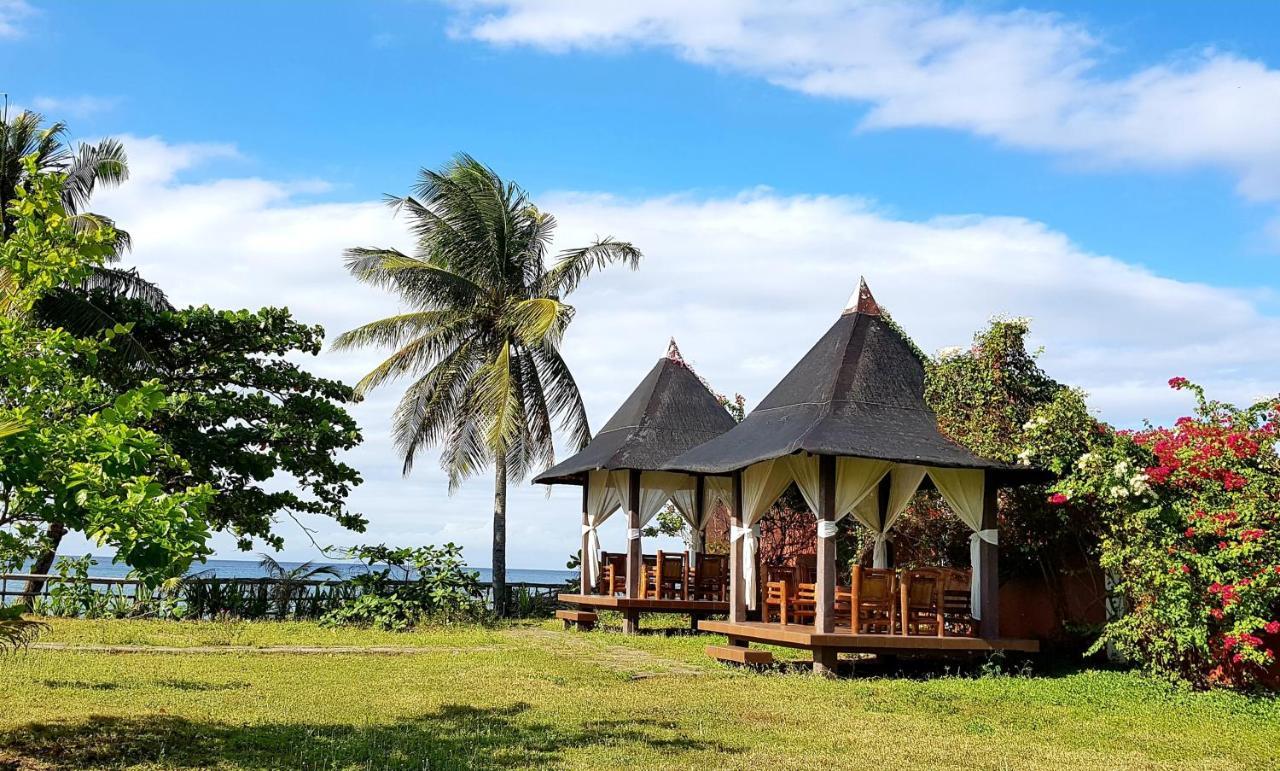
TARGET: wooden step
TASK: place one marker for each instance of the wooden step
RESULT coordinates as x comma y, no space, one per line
583,619
735,654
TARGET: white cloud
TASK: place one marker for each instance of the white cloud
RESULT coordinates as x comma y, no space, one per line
745,284
12,13
76,106
1026,79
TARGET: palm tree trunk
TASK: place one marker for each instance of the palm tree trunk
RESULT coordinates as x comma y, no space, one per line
44,563
500,536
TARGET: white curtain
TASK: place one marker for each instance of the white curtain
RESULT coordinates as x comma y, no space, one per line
856,478
652,496
904,480
963,490
714,490
762,483
602,502
681,490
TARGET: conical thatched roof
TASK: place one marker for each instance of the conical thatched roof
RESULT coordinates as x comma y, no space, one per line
859,392
669,412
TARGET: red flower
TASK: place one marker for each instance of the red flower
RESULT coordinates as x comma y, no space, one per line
1272,627
1186,569
1057,499
1178,382
1252,534
1190,533
1216,613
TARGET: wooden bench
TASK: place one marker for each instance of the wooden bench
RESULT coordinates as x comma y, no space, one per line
583,619
734,654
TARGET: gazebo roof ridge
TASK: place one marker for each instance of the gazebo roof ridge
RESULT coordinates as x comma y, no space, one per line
857,392
671,410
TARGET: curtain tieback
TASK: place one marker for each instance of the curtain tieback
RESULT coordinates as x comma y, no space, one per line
738,533
990,536
588,529
827,528
633,534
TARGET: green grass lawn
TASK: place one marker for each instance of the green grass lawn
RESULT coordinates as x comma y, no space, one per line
532,695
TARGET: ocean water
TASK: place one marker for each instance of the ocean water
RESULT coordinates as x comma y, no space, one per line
249,569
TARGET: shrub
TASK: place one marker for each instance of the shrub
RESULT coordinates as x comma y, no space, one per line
402,587
1189,517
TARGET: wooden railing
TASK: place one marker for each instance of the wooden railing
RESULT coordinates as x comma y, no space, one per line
306,598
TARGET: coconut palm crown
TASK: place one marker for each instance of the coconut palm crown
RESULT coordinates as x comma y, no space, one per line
480,336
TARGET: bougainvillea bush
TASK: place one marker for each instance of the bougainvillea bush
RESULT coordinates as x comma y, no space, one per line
1189,533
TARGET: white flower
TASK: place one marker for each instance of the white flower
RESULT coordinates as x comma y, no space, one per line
1024,458
950,352
1084,460
1119,492
1121,468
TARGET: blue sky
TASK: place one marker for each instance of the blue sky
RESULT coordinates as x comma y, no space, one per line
1110,169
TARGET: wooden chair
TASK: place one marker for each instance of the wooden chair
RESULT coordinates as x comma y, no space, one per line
806,567
671,576
648,576
802,607
613,574
710,578
957,615
779,587
872,605
921,593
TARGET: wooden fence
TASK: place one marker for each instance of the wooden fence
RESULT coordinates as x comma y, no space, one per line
205,597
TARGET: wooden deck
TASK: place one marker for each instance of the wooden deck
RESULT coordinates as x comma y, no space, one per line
649,605
841,640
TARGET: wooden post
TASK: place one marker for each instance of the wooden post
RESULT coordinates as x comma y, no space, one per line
825,661
989,555
634,559
825,590
699,513
882,511
737,593
586,587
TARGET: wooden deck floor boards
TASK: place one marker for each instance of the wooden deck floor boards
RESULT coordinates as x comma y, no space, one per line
804,636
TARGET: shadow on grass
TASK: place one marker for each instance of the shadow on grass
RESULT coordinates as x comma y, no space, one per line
455,736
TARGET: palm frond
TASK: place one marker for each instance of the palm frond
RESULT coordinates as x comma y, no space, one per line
125,282
105,163
537,320
395,330
575,264
563,396
77,313
11,426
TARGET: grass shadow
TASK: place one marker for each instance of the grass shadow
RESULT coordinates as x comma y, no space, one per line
454,736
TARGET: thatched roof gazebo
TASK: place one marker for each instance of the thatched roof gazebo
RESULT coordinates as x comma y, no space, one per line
624,465
850,426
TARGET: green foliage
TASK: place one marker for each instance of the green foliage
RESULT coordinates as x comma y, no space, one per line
16,631
83,462
1189,533
403,587
259,429
992,397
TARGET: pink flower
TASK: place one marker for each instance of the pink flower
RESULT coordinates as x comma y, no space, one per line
1057,499
1272,627
1178,382
1190,532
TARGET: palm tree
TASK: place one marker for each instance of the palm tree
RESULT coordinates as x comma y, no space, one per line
481,336
86,167
288,581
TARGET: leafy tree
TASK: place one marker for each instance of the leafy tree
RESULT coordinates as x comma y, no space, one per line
1189,531
82,463
482,334
986,397
261,430
82,169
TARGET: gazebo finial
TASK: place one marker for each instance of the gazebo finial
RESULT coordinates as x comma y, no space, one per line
861,301
673,353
